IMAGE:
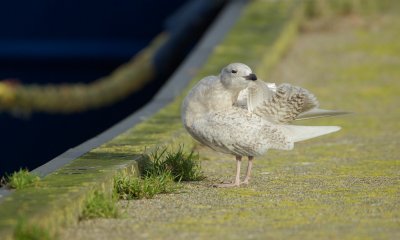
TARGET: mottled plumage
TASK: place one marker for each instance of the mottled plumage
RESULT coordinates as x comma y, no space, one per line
233,131
284,105
237,114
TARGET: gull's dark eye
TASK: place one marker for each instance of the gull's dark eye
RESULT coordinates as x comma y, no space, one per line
234,71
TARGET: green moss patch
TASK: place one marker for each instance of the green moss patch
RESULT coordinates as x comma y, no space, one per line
26,231
100,205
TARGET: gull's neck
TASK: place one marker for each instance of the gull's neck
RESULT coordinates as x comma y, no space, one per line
208,98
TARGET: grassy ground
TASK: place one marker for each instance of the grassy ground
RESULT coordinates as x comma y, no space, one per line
342,186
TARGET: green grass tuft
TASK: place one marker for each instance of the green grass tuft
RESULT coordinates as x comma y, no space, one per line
161,170
99,205
21,179
129,187
182,166
25,231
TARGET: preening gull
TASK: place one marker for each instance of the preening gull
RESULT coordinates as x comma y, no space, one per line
237,114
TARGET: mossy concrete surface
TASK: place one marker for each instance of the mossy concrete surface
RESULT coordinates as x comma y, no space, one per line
341,186
58,199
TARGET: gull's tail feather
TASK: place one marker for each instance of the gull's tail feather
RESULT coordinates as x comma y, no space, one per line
317,113
301,133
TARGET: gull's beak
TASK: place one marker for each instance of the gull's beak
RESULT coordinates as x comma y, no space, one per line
251,77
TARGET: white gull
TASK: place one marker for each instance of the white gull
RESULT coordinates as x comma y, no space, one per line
237,114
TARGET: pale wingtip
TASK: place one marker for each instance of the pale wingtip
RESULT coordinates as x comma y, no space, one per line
301,133
336,128
318,113
339,112
330,129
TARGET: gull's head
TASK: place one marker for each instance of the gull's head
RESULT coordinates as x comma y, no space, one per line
237,76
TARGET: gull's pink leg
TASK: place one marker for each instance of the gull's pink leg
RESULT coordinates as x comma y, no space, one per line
237,178
248,172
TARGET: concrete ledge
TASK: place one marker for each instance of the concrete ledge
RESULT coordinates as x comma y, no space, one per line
91,166
70,177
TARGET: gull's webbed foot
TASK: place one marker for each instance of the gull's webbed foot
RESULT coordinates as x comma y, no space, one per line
245,182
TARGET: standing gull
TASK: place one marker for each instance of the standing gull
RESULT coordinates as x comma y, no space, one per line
237,114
